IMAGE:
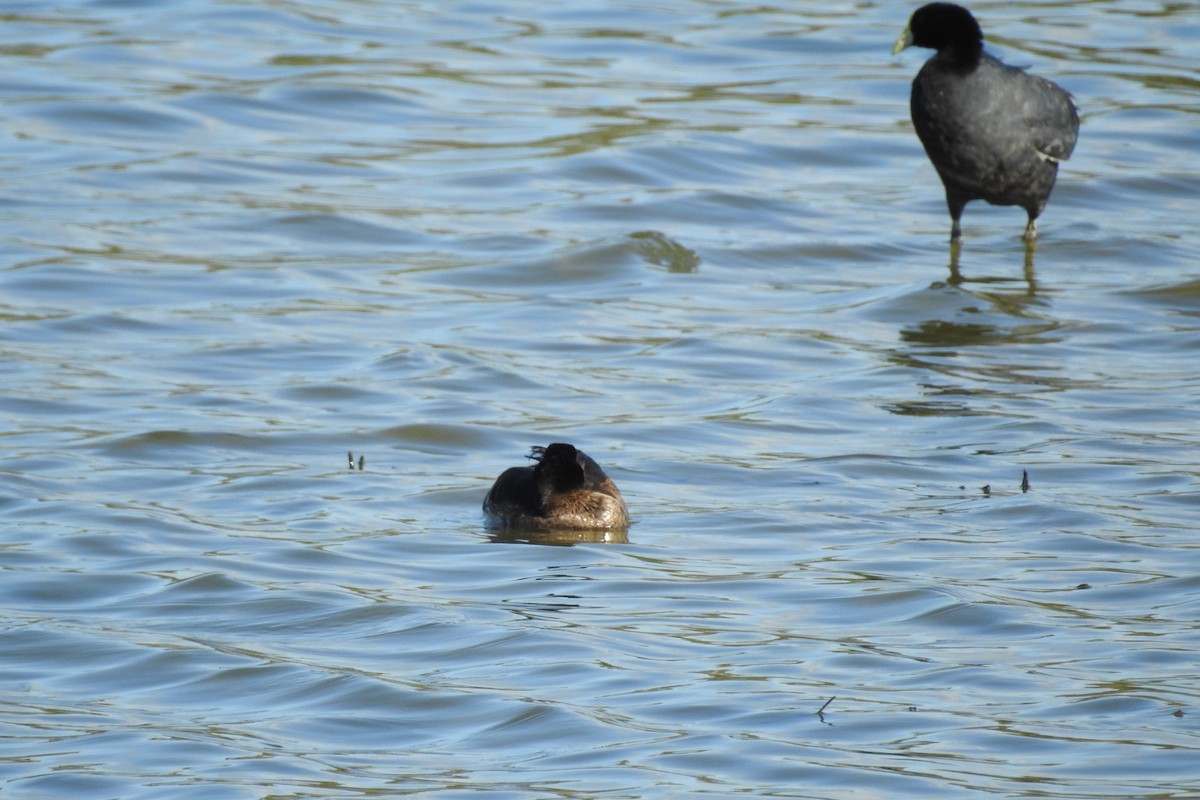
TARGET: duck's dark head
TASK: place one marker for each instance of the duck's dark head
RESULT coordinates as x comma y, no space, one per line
562,468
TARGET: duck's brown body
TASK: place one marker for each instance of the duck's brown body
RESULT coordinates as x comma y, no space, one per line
565,489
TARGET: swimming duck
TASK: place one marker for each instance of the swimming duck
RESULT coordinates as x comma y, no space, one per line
565,489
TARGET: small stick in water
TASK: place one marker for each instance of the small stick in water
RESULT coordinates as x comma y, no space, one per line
1024,480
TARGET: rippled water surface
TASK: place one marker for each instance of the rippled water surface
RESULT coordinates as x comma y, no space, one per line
698,239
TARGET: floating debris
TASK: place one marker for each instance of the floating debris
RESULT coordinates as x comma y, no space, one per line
362,460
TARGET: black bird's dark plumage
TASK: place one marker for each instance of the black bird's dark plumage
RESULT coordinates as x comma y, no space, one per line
993,132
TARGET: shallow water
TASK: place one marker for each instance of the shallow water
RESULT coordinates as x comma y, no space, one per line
700,241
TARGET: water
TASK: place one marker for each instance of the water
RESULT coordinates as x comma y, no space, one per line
700,241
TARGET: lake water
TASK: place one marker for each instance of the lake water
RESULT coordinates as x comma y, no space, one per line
699,240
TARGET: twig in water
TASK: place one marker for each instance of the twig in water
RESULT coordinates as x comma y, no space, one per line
1024,480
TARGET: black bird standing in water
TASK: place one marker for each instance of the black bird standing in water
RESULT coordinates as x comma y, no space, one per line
993,132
